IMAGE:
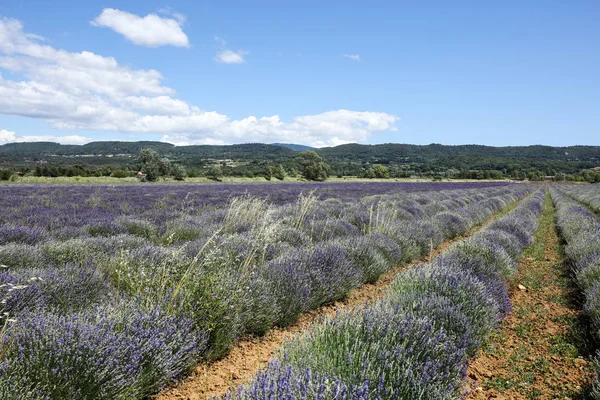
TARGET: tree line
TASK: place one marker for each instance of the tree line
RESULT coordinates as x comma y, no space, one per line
149,165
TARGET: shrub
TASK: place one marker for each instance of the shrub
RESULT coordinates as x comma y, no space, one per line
509,242
452,316
322,230
583,245
516,228
68,289
306,278
138,227
186,229
20,256
451,224
369,259
381,352
461,287
121,173
587,271
106,228
22,235
97,355
259,312
482,257
416,238
98,249
292,236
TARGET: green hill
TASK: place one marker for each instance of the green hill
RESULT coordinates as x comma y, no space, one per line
348,159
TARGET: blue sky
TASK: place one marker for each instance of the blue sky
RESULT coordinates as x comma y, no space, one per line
310,72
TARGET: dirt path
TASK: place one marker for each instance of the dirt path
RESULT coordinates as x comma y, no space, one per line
537,353
252,354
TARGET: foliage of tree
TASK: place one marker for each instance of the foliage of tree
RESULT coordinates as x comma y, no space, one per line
5,174
268,174
214,172
313,166
179,172
152,166
279,172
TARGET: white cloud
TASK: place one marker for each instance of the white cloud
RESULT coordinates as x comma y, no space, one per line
74,73
7,136
161,105
72,139
150,31
354,57
226,56
231,57
86,91
11,137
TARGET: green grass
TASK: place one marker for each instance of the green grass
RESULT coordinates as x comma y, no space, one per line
530,361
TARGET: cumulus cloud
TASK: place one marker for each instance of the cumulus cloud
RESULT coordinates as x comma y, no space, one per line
354,57
151,30
12,137
86,91
7,136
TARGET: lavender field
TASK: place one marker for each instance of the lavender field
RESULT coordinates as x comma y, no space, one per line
113,292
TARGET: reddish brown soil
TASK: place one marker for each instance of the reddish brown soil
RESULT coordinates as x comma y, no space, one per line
536,354
252,354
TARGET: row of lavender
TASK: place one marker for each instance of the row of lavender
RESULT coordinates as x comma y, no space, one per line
580,229
121,316
66,211
586,194
416,342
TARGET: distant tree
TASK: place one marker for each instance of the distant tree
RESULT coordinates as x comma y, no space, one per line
151,164
369,173
164,167
381,172
179,172
279,172
268,174
5,174
378,171
148,156
313,166
214,172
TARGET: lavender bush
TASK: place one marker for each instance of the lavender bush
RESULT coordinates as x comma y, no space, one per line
304,279
96,355
22,256
378,352
68,289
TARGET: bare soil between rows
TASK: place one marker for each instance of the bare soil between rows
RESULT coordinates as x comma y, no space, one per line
539,352
253,353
